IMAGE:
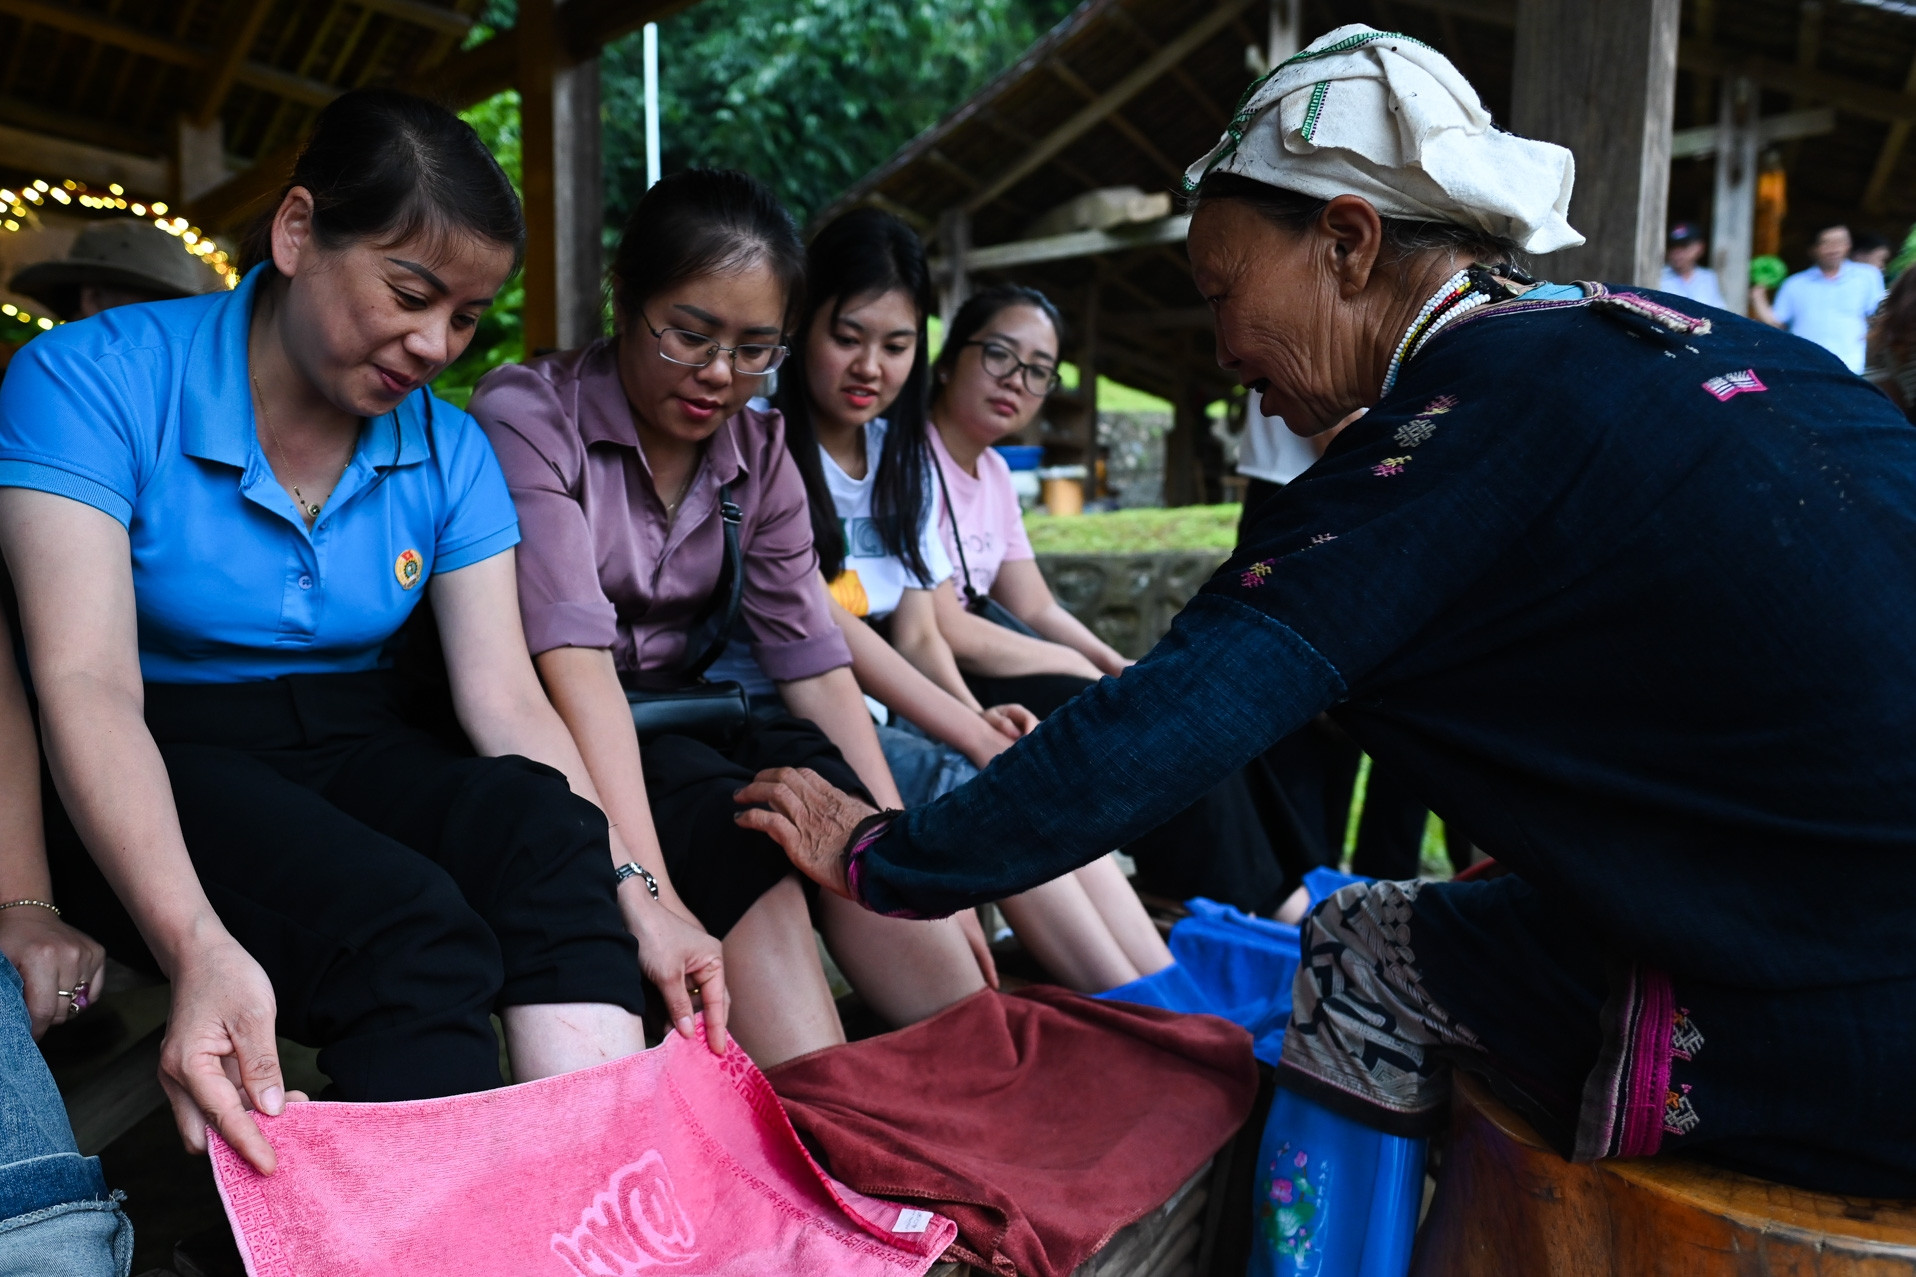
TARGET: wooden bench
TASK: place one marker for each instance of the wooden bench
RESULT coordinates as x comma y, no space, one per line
1508,1204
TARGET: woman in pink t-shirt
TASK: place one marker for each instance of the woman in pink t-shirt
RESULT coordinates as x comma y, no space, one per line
999,361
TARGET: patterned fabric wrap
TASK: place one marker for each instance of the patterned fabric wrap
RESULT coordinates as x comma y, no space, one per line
1362,1026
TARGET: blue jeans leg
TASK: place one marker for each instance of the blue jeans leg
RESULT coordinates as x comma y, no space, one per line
57,1218
923,768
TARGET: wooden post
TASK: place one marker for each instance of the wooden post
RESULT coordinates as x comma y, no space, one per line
579,185
1183,474
199,158
559,130
1088,379
1733,207
954,241
1601,80
1285,38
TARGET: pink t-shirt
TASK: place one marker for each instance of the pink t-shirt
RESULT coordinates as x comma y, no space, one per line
988,516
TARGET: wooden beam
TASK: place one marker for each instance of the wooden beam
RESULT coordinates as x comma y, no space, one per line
1843,92
1219,116
431,16
1691,144
113,137
46,156
227,61
1054,248
1495,13
1601,80
1150,321
1116,120
122,36
1890,152
1109,101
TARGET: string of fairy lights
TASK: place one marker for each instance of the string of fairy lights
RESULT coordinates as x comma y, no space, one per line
16,214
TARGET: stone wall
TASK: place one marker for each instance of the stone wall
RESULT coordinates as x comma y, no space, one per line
1128,600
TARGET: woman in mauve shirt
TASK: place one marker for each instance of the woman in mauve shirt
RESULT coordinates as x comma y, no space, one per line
615,454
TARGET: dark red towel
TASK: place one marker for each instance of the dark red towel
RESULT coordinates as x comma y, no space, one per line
1041,1121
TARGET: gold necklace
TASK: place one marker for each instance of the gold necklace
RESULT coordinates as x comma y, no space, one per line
672,506
306,508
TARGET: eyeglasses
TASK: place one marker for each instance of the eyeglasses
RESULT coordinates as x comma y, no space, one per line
695,350
1039,379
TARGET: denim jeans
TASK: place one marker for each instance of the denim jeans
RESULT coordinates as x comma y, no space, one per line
923,768
57,1218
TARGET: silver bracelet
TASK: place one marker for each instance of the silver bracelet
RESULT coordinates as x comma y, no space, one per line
633,869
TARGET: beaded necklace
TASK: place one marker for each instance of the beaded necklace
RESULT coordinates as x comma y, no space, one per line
1458,295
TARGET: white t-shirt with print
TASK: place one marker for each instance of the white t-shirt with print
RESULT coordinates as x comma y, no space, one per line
873,581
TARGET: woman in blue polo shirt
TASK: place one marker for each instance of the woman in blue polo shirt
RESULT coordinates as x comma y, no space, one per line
218,513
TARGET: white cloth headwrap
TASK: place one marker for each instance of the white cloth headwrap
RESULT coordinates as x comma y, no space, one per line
1365,112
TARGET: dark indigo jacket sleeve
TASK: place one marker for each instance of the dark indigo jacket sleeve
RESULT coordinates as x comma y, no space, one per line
1120,759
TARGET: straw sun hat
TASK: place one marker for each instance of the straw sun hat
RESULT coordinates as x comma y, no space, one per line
122,253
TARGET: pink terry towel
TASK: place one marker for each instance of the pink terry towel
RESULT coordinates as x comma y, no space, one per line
673,1159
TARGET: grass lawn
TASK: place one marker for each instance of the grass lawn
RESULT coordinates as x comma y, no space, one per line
1191,527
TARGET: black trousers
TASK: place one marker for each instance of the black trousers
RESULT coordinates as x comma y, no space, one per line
721,870
1245,842
395,890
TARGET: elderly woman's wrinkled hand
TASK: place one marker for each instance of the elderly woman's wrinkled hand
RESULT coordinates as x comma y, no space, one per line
808,816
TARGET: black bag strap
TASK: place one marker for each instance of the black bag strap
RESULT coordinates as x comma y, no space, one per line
727,596
972,599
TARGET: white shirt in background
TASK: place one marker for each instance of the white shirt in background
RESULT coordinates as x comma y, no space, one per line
1269,451
1702,286
1832,312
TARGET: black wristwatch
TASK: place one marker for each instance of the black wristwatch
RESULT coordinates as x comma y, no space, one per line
633,869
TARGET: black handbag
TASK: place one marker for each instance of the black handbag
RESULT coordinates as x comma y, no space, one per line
681,701
975,603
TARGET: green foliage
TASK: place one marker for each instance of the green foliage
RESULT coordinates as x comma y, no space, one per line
1191,527
808,95
499,339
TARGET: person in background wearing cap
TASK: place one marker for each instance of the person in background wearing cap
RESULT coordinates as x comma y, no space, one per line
1561,578
116,263
1683,271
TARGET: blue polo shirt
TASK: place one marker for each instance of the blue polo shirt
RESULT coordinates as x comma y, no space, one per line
146,412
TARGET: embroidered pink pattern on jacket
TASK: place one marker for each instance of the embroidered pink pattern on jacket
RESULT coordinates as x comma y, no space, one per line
1732,384
1390,466
1257,573
635,1224
1438,406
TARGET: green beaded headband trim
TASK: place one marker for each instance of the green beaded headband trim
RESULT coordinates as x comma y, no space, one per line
1241,118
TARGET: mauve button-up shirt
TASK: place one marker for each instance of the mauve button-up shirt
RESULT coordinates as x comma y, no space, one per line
600,565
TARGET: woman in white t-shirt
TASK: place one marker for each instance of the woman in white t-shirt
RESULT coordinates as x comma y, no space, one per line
1245,842
862,353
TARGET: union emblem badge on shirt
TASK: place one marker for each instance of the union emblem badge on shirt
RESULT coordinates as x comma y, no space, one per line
408,567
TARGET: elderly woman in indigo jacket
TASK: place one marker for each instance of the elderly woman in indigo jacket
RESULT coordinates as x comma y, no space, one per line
1622,589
